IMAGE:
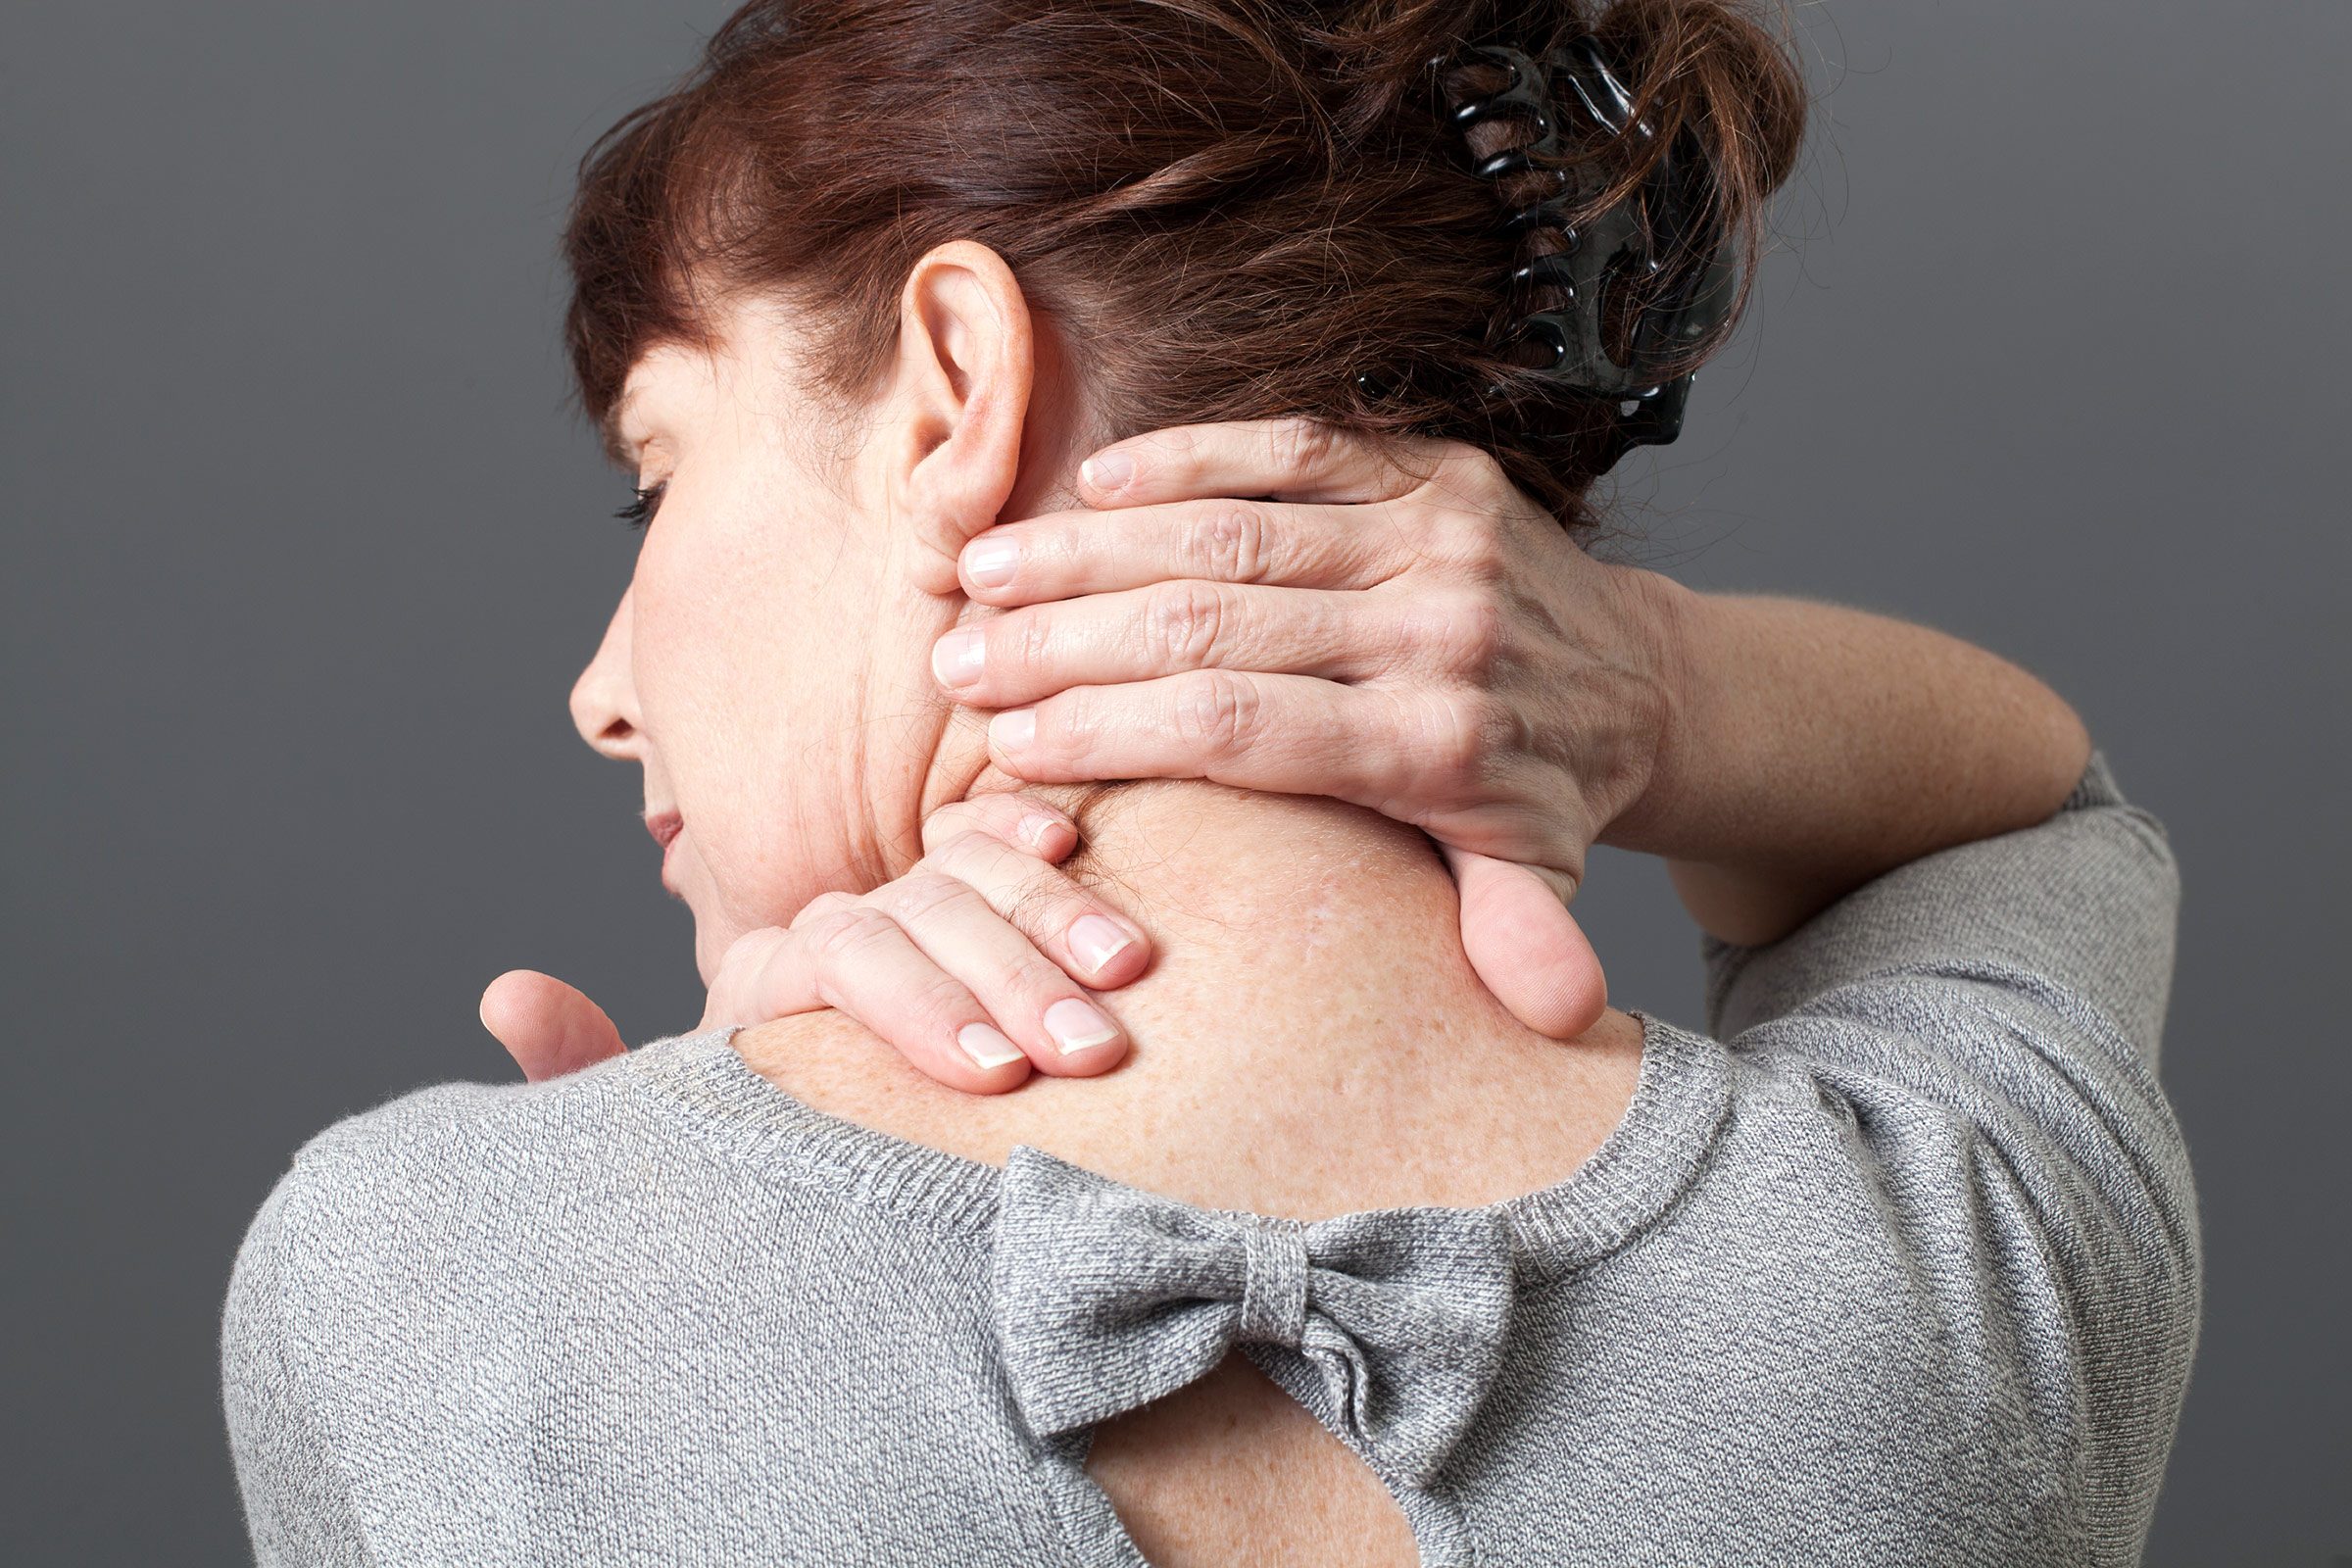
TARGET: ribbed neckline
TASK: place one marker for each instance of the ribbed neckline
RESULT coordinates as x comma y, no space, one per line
1646,1162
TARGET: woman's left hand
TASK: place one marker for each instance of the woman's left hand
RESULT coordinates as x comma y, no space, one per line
975,964
1400,628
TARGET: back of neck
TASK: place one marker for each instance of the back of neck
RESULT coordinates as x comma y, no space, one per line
1310,1038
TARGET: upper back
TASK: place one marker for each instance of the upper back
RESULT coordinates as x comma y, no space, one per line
1900,1267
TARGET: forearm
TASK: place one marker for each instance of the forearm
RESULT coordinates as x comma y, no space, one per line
1808,748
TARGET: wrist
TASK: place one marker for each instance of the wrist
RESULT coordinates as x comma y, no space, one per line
1667,621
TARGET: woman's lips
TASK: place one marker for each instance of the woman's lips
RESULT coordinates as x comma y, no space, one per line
665,826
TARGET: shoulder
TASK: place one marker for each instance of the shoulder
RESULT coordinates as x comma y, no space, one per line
373,1251
446,1136
456,1172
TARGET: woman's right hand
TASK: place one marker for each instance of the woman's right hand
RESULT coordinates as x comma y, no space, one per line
1394,624
976,964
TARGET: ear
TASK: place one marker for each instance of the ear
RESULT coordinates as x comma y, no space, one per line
960,389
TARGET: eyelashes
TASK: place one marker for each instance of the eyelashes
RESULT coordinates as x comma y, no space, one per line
642,507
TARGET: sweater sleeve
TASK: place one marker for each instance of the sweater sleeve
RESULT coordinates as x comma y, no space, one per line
298,1504
2081,906
1985,1020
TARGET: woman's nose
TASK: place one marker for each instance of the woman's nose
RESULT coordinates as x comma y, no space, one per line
604,700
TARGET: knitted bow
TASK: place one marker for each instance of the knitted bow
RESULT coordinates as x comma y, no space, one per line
1107,1297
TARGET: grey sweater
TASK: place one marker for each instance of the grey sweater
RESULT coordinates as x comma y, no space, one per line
1897,1264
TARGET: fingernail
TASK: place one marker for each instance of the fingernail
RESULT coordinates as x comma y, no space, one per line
1108,471
990,561
955,658
1039,831
1095,941
1076,1026
988,1048
1012,730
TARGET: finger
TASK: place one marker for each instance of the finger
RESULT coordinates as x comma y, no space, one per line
1526,946
1029,996
1139,633
1022,821
863,961
761,976
1091,942
1293,459
1291,734
1061,554
548,1027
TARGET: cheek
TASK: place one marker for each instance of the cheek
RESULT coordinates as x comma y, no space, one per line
740,670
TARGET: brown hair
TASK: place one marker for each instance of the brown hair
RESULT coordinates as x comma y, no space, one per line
1231,209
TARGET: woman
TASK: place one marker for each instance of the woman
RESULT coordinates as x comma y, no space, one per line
1899,1265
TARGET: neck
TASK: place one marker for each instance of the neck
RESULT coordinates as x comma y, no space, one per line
1310,1038
1283,915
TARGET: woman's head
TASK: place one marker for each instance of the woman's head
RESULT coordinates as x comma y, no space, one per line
878,272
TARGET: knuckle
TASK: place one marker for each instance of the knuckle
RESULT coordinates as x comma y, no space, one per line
940,1005
1184,621
1454,631
1230,543
919,895
1168,453
747,947
956,819
1021,640
973,861
821,908
1475,473
1470,541
1217,712
1037,981
845,936
1484,560
1469,629
1066,725
1471,481
1453,743
960,849
1302,445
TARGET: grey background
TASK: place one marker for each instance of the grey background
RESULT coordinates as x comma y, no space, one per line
303,551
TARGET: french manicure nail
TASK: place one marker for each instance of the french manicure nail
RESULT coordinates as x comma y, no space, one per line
1108,471
990,562
1095,941
1037,830
1075,1026
986,1047
1012,730
957,658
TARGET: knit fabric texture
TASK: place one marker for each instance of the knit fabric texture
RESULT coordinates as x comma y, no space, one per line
1896,1264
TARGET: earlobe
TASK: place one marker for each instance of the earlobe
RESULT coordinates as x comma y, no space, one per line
964,371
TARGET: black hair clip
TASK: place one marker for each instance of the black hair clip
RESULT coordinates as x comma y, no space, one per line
1610,250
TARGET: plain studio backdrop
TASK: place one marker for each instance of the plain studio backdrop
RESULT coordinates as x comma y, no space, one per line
304,549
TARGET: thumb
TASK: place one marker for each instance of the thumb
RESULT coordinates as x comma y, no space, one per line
1525,945
548,1027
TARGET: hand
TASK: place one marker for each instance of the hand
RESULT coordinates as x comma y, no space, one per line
1398,627
971,955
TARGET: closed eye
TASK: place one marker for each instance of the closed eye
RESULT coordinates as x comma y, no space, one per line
641,509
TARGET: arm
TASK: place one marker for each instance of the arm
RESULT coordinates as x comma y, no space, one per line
1394,625
1808,748
1398,627
298,1501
